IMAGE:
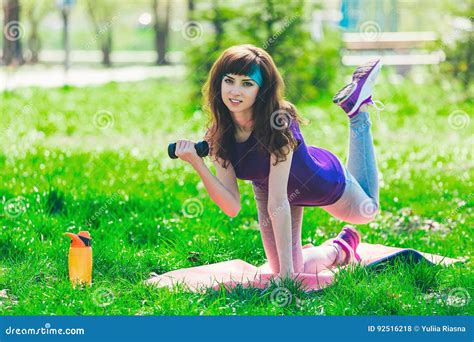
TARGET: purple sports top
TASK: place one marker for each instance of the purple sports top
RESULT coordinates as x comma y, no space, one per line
316,175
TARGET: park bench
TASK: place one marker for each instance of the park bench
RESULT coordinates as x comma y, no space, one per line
396,48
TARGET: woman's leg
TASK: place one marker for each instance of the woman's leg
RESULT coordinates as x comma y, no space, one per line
268,237
317,259
361,161
360,201
361,168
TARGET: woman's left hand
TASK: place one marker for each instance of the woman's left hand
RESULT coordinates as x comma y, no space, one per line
286,271
284,274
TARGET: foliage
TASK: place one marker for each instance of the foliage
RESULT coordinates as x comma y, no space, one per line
281,28
459,46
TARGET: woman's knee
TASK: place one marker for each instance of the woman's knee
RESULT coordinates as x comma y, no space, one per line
359,220
366,212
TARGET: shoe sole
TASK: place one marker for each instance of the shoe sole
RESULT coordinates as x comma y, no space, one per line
346,91
366,90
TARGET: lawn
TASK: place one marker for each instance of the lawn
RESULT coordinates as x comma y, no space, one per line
95,159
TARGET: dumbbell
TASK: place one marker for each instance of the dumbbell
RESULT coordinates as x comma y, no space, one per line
202,149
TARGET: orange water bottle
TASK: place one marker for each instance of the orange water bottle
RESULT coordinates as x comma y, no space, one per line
80,258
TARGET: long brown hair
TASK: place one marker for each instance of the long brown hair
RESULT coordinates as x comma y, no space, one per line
271,113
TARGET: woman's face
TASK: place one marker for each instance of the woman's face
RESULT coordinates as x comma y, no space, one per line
238,92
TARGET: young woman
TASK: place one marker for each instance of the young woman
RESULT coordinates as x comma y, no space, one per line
254,135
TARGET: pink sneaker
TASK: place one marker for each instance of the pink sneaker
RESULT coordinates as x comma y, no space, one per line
349,239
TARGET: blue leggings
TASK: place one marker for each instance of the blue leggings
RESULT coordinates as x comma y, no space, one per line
359,203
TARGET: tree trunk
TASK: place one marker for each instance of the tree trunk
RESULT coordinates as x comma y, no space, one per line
469,57
191,7
34,43
33,39
104,44
12,33
218,24
107,50
270,22
66,42
161,28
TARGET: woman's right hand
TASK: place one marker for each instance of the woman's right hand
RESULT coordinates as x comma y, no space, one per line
185,150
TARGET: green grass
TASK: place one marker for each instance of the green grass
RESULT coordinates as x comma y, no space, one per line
64,170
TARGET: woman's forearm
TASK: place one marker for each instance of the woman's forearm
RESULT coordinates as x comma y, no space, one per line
280,216
218,192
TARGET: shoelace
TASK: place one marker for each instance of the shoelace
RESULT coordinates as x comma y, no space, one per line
379,107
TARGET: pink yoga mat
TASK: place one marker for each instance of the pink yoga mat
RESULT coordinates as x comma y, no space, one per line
233,272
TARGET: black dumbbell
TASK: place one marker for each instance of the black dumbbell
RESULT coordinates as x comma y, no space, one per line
202,149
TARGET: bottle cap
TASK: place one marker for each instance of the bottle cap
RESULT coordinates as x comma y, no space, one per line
82,239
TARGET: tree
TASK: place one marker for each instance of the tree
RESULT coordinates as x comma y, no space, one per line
282,29
34,11
460,51
191,7
12,33
102,14
161,17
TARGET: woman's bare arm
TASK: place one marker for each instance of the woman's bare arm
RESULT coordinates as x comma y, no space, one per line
222,189
280,213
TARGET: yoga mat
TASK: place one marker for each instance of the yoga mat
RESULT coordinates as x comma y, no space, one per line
233,272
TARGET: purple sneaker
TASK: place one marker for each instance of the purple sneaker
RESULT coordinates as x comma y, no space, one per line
359,92
349,239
